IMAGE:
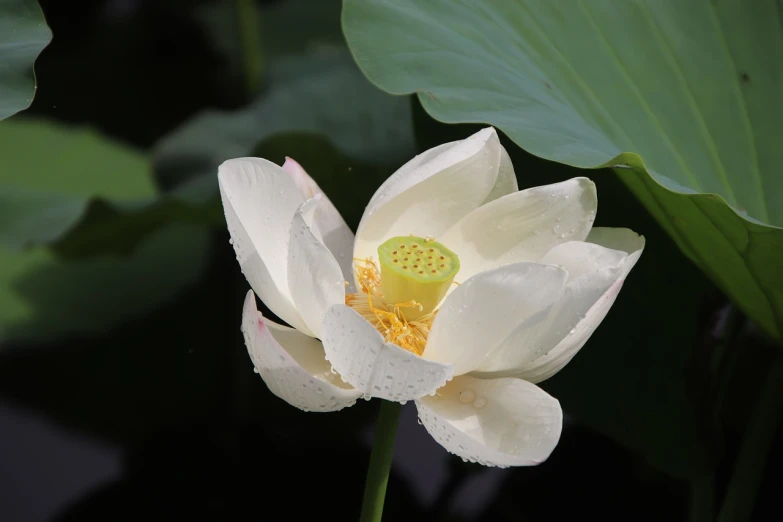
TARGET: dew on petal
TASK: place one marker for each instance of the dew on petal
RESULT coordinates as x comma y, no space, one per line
467,396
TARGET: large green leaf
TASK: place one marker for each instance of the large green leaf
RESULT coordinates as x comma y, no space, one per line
686,96
50,172
23,35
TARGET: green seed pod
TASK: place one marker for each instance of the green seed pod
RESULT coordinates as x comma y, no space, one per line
414,268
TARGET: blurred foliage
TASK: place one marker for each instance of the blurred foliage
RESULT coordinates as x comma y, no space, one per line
322,93
120,296
43,297
23,34
348,183
292,27
131,69
685,96
124,244
43,194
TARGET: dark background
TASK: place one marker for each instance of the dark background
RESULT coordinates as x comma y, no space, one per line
163,417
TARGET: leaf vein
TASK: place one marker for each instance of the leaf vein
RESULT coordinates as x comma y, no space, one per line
695,109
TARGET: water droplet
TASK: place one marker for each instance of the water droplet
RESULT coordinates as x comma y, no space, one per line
467,396
255,370
480,403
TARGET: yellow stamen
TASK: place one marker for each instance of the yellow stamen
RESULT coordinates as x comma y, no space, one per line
388,318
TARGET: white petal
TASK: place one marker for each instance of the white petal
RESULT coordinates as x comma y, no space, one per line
259,200
306,185
357,351
506,182
522,226
621,239
314,276
486,308
520,350
580,257
547,365
406,176
538,351
495,422
328,224
292,364
431,192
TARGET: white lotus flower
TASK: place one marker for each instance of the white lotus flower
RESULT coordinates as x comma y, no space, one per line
532,279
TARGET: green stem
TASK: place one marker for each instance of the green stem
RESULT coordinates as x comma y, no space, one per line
250,41
759,435
380,461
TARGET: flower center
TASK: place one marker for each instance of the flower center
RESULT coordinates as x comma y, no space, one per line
399,299
416,269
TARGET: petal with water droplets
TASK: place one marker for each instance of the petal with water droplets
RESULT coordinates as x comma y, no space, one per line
523,226
259,199
432,191
292,364
314,276
495,422
377,368
327,222
486,308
